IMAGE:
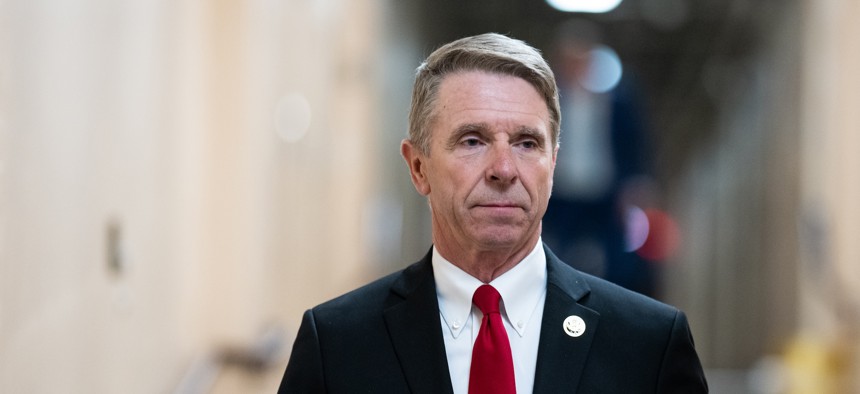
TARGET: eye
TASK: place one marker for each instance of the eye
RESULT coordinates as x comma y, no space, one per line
470,141
529,144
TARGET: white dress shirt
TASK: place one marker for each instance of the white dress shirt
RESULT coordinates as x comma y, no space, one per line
523,291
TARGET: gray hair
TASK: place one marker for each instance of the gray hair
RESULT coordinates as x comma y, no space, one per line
488,52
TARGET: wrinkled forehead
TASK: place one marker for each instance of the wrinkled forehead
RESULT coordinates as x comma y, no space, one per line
477,96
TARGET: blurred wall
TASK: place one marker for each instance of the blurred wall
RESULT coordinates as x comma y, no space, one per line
769,209
738,200
100,135
825,356
175,177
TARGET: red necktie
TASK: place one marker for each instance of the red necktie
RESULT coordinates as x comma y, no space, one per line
492,369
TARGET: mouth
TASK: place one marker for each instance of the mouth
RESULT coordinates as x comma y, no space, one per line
498,205
499,208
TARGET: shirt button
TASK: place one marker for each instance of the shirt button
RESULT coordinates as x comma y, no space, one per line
520,324
456,325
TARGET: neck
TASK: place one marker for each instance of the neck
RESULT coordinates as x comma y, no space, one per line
486,264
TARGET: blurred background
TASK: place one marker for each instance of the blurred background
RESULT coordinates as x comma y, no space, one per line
180,180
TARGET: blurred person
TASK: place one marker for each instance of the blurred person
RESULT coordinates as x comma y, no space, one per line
602,170
489,309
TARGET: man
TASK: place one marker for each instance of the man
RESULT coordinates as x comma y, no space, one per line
483,138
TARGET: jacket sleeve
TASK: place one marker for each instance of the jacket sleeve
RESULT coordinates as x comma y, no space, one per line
681,371
304,372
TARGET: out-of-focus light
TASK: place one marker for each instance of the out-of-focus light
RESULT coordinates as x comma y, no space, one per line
292,117
636,228
591,6
663,238
604,70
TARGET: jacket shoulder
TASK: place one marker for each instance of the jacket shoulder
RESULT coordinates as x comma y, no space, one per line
372,298
607,296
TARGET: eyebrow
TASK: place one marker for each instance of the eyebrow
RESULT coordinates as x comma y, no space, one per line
525,131
464,129
481,128
531,132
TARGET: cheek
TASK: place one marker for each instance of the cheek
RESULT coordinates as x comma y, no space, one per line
542,184
443,191
458,181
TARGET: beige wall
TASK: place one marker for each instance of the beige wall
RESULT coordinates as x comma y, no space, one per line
158,118
830,309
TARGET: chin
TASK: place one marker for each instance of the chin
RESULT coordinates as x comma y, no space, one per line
501,239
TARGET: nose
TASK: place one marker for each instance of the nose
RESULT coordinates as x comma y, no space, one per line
502,168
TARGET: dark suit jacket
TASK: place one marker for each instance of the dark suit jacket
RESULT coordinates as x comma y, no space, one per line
386,337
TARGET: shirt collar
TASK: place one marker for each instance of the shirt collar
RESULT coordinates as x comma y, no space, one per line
521,288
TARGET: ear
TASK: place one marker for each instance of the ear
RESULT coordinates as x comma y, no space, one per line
417,168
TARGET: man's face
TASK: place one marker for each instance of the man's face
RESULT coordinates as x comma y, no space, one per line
488,174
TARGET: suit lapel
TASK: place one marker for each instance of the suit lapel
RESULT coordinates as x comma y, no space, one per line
412,318
561,357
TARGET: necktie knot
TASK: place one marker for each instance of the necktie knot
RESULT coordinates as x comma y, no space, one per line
486,298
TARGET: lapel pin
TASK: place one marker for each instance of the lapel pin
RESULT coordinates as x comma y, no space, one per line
574,326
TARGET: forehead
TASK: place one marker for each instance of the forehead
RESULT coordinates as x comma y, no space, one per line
479,96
